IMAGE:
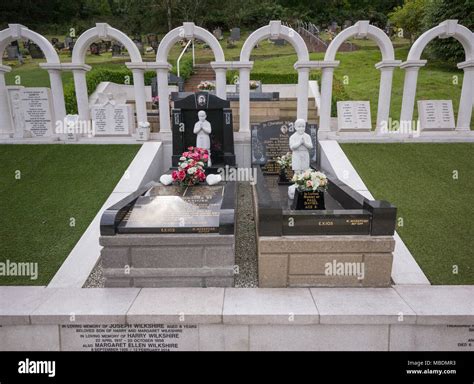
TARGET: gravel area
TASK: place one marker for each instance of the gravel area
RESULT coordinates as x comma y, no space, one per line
96,278
245,245
245,239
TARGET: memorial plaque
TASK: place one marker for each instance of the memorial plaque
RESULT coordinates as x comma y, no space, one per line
129,337
35,112
271,140
173,209
308,200
436,115
354,116
112,119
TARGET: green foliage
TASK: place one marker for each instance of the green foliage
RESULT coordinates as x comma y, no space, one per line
409,17
144,16
439,10
70,99
118,76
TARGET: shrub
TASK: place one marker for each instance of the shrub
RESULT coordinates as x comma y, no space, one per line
119,76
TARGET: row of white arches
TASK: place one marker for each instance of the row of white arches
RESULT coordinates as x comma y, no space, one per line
275,29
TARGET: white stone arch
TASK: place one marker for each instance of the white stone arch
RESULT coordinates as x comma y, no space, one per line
273,30
361,29
188,31
52,65
448,28
79,68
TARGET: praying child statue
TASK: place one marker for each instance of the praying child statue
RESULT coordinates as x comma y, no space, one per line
202,129
300,144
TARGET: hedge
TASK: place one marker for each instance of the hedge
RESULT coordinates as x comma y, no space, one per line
119,76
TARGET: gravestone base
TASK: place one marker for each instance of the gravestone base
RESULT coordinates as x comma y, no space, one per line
325,261
175,260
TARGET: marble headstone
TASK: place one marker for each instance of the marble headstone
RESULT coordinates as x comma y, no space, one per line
31,110
112,118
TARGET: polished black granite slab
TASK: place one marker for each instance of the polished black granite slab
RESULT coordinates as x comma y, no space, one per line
347,212
171,209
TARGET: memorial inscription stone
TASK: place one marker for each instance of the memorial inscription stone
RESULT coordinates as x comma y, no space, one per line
31,111
436,115
112,118
354,116
129,337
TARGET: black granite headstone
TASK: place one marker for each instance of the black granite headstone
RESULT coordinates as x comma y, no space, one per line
219,115
35,51
172,80
270,140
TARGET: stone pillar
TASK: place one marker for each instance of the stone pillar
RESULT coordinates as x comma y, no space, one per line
244,96
411,68
302,93
138,70
162,69
326,95
6,124
467,94
58,94
386,68
82,96
221,83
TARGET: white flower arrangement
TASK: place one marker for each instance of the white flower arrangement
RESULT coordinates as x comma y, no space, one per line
254,84
284,161
310,181
206,86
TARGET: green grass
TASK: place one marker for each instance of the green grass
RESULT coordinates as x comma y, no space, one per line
58,182
436,209
361,79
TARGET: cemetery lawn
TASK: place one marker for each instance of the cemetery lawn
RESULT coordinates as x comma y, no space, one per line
436,209
59,185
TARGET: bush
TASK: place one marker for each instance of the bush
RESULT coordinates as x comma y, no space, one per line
118,76
449,50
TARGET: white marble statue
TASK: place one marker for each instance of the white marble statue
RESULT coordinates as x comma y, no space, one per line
300,144
203,129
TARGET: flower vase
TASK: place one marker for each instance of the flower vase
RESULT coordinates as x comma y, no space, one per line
285,176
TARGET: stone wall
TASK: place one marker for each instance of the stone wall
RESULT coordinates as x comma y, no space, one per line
405,318
318,261
175,260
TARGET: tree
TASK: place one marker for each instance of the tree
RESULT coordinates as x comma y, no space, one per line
409,18
439,10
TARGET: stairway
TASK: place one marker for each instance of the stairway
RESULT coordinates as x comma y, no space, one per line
201,72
